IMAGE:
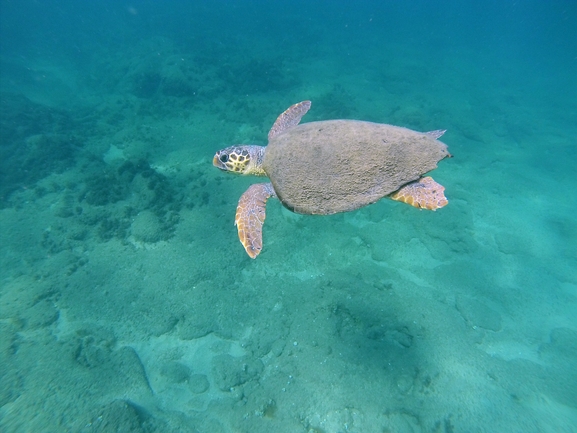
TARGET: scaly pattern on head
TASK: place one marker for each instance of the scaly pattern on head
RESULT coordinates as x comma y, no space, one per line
240,160
234,158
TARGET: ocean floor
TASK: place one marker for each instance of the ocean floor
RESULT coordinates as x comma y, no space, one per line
127,303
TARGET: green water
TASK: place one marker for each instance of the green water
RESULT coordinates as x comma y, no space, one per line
127,303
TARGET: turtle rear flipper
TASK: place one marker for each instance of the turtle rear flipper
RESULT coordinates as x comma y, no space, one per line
250,215
424,193
437,133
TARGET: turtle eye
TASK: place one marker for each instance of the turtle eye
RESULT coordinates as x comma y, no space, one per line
223,157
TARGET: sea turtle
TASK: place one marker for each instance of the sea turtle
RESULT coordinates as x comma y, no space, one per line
332,166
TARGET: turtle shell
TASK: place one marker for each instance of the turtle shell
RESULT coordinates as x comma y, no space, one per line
341,165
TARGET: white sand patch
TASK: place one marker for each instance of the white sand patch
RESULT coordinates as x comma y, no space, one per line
177,368
509,350
113,154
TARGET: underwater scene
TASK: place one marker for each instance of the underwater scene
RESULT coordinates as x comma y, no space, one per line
128,302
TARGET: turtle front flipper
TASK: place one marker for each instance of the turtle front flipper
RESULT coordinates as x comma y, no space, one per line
250,215
424,193
289,118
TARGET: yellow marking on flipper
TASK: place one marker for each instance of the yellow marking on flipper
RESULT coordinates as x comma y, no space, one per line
424,193
250,215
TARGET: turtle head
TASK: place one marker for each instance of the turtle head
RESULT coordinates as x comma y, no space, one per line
240,159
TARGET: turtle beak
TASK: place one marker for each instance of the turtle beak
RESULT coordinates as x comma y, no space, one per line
217,162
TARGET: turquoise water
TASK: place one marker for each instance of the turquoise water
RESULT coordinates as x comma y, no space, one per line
127,303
